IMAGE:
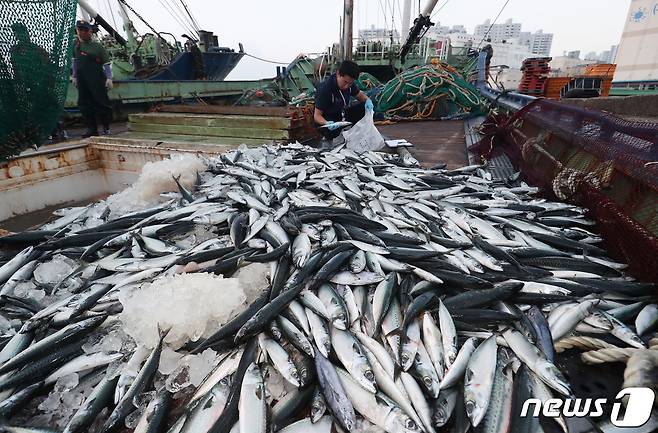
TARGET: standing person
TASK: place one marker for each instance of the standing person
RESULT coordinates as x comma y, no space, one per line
92,75
34,76
339,99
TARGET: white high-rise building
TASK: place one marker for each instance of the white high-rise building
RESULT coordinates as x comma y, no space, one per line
378,34
499,32
609,56
592,55
540,43
438,29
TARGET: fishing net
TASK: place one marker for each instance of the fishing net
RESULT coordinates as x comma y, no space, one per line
593,159
430,91
367,81
35,54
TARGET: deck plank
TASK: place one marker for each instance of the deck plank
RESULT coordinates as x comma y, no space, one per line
435,141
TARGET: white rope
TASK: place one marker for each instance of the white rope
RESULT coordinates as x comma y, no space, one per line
581,342
639,369
603,356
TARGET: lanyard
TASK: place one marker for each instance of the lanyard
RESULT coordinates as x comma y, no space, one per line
344,104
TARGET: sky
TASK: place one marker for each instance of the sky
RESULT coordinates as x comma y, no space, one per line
280,30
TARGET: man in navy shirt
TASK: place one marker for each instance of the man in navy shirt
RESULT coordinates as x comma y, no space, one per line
334,100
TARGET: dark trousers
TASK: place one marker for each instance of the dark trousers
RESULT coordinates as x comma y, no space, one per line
94,103
353,113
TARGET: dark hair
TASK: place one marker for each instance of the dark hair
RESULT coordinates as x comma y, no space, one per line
348,67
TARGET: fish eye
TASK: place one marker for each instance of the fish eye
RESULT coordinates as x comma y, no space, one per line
428,381
404,358
369,375
410,424
470,407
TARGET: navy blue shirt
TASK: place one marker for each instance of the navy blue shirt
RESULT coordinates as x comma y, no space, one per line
331,100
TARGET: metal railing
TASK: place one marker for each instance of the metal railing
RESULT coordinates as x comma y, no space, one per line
378,50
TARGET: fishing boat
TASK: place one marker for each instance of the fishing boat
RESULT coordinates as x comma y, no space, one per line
159,55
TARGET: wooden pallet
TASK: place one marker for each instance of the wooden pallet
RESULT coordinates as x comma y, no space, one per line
223,124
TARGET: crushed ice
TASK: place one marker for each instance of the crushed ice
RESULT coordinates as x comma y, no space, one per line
154,179
186,304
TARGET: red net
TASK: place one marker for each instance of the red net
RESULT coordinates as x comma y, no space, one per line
606,164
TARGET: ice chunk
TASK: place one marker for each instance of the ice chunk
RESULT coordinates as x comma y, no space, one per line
186,303
51,403
169,360
190,370
201,365
22,289
253,279
67,383
142,400
155,178
54,271
179,378
109,339
72,399
93,343
36,295
112,342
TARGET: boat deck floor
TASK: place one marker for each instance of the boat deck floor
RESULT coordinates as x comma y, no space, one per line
434,141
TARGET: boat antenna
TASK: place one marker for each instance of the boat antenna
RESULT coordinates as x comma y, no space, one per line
189,14
178,14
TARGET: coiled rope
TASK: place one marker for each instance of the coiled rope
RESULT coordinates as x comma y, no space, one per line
581,342
415,94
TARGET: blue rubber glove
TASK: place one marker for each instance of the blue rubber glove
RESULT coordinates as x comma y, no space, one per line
331,125
369,105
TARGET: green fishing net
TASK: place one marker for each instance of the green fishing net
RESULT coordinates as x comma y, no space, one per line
430,91
367,81
35,63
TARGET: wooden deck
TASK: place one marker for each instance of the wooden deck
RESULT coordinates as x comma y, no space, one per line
435,141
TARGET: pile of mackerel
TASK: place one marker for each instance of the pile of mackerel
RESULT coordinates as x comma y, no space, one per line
400,299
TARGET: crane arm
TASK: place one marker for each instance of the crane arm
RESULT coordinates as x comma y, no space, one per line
418,30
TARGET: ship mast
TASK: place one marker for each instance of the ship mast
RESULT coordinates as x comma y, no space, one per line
406,17
346,43
128,26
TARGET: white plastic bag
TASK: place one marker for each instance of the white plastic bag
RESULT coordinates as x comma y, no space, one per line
363,136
